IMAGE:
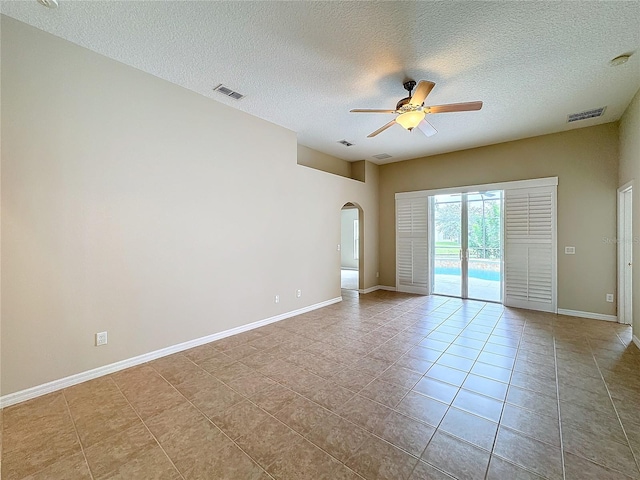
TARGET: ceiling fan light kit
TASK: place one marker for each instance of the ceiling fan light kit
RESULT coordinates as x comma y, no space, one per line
411,111
410,120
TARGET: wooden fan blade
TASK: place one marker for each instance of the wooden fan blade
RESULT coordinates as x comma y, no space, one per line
369,110
381,129
422,90
426,128
454,107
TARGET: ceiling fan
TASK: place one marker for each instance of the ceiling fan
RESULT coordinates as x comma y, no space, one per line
412,112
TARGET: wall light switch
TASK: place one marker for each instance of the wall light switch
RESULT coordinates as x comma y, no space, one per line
277,299
570,250
610,297
298,293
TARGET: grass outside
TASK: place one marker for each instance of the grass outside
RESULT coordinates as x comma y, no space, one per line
447,248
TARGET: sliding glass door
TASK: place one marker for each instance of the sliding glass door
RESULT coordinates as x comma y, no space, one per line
446,245
466,245
485,245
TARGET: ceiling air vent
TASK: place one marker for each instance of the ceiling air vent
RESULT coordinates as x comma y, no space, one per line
228,92
345,143
382,156
596,112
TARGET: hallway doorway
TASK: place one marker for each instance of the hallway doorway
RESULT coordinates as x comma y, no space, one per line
350,248
625,254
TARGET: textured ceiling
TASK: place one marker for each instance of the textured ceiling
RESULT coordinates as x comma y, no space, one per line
304,65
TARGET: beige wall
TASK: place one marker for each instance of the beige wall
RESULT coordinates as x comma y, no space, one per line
126,207
358,170
585,162
630,170
315,159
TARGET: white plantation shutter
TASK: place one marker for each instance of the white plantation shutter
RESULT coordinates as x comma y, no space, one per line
412,247
530,248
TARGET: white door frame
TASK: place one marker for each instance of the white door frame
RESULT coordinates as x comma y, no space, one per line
625,253
464,243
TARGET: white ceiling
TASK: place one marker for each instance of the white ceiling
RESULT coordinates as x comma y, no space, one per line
304,65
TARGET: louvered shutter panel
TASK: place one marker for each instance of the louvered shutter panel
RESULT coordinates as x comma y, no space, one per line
530,248
412,248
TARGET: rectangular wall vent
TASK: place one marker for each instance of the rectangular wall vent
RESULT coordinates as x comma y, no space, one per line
228,92
382,156
596,112
345,143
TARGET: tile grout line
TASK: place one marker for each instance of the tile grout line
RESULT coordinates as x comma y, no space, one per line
606,386
399,332
303,396
525,434
559,417
147,428
555,361
245,398
450,405
75,429
213,376
207,418
504,404
484,344
377,376
393,409
326,379
304,437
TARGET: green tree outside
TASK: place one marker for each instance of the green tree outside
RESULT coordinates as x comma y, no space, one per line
484,228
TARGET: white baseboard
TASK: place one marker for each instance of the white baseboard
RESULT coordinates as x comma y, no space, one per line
377,287
636,340
370,289
389,289
39,390
593,316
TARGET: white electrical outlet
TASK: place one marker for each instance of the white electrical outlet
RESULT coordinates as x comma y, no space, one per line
570,250
298,293
338,247
610,297
101,338
277,299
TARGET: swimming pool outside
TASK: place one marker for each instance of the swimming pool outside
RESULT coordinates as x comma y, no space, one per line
473,273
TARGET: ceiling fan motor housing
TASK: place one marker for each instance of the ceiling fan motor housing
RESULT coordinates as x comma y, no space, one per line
409,85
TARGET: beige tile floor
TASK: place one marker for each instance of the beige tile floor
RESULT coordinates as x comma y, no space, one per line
381,386
349,279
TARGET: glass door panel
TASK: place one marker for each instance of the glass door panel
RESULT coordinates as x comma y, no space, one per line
484,246
446,252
